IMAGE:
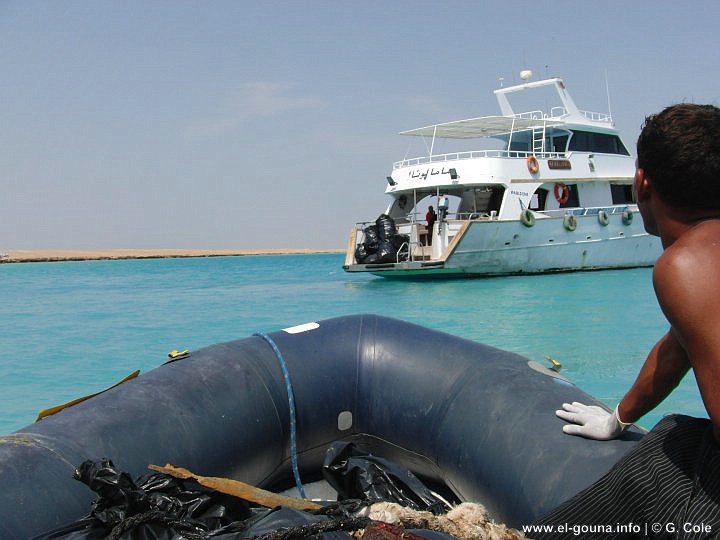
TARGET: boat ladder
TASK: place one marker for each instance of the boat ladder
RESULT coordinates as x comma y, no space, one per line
538,135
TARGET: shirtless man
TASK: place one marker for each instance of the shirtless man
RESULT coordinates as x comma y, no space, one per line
673,476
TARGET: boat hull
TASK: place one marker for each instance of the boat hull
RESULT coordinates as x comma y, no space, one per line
495,248
478,419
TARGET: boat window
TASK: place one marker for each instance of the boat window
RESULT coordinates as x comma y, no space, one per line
559,144
431,199
520,146
621,193
520,142
580,142
401,208
495,199
573,200
555,141
479,202
602,143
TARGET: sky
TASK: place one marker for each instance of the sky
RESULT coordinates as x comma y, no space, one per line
248,125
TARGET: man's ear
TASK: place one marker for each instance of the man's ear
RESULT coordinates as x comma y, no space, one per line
642,186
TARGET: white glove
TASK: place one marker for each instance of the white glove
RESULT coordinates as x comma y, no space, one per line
591,421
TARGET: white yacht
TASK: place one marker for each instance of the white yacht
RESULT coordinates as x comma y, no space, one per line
552,193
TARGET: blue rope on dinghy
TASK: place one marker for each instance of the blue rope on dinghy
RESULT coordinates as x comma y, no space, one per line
291,401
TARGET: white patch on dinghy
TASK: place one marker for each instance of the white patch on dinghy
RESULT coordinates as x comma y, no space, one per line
345,420
301,328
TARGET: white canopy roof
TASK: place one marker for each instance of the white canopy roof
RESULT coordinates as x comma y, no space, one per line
486,126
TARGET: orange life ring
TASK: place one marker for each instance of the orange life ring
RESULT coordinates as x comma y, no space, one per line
562,198
533,165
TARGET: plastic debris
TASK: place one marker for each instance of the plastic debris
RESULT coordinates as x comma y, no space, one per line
385,227
362,252
355,474
150,507
371,236
382,244
386,252
397,240
163,507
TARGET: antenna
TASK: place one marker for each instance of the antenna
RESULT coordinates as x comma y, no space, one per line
607,90
500,80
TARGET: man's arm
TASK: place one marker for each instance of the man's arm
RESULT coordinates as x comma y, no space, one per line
662,371
664,368
687,284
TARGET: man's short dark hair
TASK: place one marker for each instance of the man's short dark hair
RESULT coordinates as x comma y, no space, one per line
679,149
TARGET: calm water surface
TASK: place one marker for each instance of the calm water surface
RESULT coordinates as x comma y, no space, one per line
71,329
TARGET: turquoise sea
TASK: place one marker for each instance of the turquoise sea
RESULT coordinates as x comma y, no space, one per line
70,329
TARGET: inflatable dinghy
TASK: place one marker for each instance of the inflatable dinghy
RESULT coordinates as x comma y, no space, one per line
477,419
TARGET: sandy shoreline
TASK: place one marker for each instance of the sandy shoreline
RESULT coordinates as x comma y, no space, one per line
58,255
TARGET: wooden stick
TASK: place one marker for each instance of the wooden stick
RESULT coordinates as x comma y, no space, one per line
238,489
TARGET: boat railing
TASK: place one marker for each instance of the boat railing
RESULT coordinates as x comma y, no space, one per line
559,112
474,216
597,117
419,217
405,250
531,115
588,211
457,156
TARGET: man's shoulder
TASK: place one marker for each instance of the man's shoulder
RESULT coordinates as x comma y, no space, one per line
687,274
696,250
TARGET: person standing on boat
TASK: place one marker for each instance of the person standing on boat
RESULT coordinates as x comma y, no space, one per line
431,218
672,477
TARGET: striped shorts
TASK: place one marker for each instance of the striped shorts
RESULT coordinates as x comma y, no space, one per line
668,486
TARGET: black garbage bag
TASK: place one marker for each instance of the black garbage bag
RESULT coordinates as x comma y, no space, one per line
371,235
359,475
161,507
385,227
397,240
156,506
370,259
386,253
361,253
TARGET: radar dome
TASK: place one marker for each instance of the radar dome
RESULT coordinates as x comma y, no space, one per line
525,75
